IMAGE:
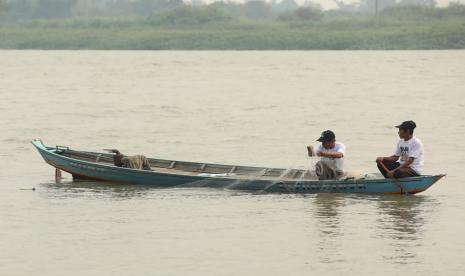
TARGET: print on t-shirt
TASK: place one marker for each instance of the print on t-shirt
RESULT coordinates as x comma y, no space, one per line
404,153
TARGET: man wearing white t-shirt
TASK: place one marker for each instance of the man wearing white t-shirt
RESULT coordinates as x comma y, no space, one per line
407,160
331,153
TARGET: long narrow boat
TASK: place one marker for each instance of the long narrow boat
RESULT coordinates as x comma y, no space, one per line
169,173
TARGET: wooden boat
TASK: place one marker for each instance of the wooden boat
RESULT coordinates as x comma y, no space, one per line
169,173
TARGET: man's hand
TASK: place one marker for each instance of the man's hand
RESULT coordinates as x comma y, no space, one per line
379,159
391,174
310,151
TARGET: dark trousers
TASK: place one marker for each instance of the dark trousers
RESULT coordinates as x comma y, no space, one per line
400,173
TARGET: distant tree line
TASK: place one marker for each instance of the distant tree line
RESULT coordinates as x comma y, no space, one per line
177,12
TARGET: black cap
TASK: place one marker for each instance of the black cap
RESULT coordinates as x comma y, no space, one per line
327,136
407,125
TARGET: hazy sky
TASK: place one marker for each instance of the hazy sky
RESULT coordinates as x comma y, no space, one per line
330,4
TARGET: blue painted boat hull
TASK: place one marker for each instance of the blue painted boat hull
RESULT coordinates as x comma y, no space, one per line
104,172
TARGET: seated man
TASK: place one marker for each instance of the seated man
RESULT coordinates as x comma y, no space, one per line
331,164
407,160
134,162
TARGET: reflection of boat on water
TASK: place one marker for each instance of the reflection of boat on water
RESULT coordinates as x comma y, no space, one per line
402,221
397,223
402,216
169,173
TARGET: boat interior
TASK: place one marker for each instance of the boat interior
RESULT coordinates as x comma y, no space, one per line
194,168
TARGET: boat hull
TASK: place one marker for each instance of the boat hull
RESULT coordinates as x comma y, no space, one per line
81,169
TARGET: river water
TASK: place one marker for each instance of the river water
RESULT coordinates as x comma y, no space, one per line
251,108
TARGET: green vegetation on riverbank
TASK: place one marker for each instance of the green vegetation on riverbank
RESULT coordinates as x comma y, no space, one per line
211,28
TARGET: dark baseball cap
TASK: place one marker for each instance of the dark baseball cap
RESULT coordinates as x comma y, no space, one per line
407,125
326,136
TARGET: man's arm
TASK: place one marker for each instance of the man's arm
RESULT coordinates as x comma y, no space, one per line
406,164
311,151
330,154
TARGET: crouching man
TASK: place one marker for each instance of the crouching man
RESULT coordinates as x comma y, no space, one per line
331,153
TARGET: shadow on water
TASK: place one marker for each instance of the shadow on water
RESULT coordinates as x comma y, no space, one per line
399,224
77,186
69,188
395,223
96,189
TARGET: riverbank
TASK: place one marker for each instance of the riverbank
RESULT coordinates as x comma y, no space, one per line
349,34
